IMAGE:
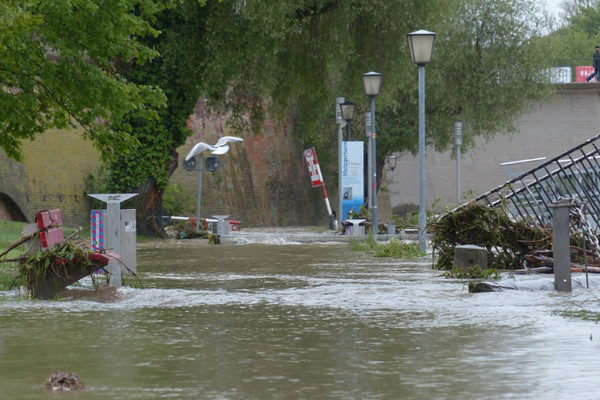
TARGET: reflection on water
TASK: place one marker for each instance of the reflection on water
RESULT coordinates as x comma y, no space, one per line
301,321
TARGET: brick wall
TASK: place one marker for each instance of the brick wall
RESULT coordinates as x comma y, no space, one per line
52,175
260,181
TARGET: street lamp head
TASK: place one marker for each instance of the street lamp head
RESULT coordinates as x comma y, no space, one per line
391,162
372,83
348,109
421,46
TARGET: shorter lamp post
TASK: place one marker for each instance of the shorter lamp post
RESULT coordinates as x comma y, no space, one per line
348,109
212,163
372,84
458,143
421,50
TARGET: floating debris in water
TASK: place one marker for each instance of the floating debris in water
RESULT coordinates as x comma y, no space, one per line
63,382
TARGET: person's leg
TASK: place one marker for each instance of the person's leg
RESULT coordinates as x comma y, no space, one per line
591,76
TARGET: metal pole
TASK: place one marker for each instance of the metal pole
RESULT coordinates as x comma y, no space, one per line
374,170
368,130
199,193
422,214
338,112
458,142
458,174
561,244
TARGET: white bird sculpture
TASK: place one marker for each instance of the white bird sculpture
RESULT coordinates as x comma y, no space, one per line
220,147
226,139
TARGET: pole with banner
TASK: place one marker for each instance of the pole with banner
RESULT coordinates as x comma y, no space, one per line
316,178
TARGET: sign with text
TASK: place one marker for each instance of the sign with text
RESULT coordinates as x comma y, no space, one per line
582,72
353,192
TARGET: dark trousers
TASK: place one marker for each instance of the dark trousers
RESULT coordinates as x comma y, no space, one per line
592,75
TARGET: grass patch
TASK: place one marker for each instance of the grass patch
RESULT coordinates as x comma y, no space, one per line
10,232
393,248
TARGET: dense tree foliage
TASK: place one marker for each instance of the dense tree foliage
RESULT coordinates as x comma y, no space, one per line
487,69
177,70
58,68
302,54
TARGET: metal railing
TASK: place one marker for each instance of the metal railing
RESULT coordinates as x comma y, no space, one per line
572,174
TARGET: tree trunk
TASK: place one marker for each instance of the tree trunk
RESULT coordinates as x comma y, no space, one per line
149,203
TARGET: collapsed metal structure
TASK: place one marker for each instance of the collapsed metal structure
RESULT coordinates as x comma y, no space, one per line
573,174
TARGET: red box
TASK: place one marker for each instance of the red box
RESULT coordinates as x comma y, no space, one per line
47,218
105,258
582,72
51,236
203,224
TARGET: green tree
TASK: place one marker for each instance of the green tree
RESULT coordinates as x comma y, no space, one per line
58,68
177,70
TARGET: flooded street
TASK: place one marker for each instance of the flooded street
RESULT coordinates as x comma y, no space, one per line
285,320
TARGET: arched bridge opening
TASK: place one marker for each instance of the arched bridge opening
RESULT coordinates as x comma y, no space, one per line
9,210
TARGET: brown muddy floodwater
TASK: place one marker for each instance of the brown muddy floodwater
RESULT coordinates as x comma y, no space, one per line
285,320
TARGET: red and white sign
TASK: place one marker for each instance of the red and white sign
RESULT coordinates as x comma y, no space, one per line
316,178
314,171
582,72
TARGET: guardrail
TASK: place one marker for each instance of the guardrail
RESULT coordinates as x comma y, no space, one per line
572,174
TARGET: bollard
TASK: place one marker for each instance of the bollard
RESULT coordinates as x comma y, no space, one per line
469,255
115,229
221,225
357,229
561,244
391,229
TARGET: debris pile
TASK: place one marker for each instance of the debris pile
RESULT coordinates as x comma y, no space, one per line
46,272
506,240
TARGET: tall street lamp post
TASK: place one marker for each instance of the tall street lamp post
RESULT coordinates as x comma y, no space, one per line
421,49
372,83
339,121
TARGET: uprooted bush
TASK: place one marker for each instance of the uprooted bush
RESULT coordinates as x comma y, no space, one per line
506,240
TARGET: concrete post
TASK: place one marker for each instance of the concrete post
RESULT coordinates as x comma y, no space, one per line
561,244
113,230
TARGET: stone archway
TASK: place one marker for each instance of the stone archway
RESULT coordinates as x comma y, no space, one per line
9,210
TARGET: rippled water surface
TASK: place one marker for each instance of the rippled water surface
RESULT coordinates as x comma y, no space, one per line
302,321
